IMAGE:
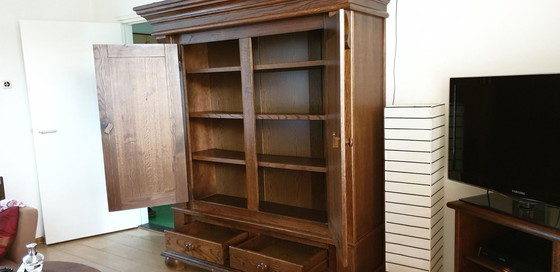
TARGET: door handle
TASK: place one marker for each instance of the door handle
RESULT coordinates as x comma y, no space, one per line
48,131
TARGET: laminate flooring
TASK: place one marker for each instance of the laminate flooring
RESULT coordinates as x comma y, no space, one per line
131,250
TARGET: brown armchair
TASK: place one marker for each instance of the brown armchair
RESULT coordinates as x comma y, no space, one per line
27,227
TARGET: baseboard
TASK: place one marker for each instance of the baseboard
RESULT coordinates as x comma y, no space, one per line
40,240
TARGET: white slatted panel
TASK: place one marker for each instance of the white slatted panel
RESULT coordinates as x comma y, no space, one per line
414,177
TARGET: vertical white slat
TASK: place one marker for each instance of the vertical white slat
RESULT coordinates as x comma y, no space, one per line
414,177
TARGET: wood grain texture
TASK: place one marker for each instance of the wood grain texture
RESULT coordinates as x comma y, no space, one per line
169,17
306,23
295,227
288,116
299,189
209,133
218,178
219,54
276,255
204,241
270,161
216,115
220,92
290,65
144,156
365,141
214,70
368,253
245,47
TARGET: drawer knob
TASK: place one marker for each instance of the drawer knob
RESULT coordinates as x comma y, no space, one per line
189,247
261,267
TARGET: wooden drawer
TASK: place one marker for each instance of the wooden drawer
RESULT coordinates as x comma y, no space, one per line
267,254
204,241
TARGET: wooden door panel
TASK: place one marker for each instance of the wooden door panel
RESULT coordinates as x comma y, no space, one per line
336,181
142,126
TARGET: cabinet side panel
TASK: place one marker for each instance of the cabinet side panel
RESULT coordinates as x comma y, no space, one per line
367,103
368,254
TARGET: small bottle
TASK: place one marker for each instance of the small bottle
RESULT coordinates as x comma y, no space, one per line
33,261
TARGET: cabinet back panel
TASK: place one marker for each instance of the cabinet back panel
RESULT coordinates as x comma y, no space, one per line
294,188
211,55
298,138
214,92
216,134
204,179
289,92
292,47
218,178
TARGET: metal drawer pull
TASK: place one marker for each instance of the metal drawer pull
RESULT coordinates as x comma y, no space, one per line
189,247
261,267
47,131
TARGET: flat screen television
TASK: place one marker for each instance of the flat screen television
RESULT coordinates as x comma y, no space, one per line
504,135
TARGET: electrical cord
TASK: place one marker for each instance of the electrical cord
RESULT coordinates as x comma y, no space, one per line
395,53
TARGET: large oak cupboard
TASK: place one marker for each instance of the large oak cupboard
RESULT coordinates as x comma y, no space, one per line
262,121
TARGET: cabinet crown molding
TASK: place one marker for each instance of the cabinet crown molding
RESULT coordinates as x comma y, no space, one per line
180,16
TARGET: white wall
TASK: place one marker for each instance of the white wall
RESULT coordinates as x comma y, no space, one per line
439,39
17,157
108,10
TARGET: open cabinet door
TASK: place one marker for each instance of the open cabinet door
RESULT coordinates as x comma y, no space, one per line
142,127
336,180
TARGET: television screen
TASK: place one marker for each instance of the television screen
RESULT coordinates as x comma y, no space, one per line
504,134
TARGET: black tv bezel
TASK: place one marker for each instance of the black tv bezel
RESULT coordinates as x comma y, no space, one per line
510,190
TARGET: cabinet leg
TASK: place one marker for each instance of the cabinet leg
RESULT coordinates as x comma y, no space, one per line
174,264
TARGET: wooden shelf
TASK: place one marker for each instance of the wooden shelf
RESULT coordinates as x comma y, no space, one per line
216,115
271,161
275,116
220,155
269,207
292,163
214,70
290,65
260,116
293,211
226,200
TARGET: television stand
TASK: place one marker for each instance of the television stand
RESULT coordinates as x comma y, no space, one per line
536,212
476,226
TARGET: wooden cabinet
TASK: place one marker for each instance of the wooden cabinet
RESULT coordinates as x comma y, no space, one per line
476,227
283,129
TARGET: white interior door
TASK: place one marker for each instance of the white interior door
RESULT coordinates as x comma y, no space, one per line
60,72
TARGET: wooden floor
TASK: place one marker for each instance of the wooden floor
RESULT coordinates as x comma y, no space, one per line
130,250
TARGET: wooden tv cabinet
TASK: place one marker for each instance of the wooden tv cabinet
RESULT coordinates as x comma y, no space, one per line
476,225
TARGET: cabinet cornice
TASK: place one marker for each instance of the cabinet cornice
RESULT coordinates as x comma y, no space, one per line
180,16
